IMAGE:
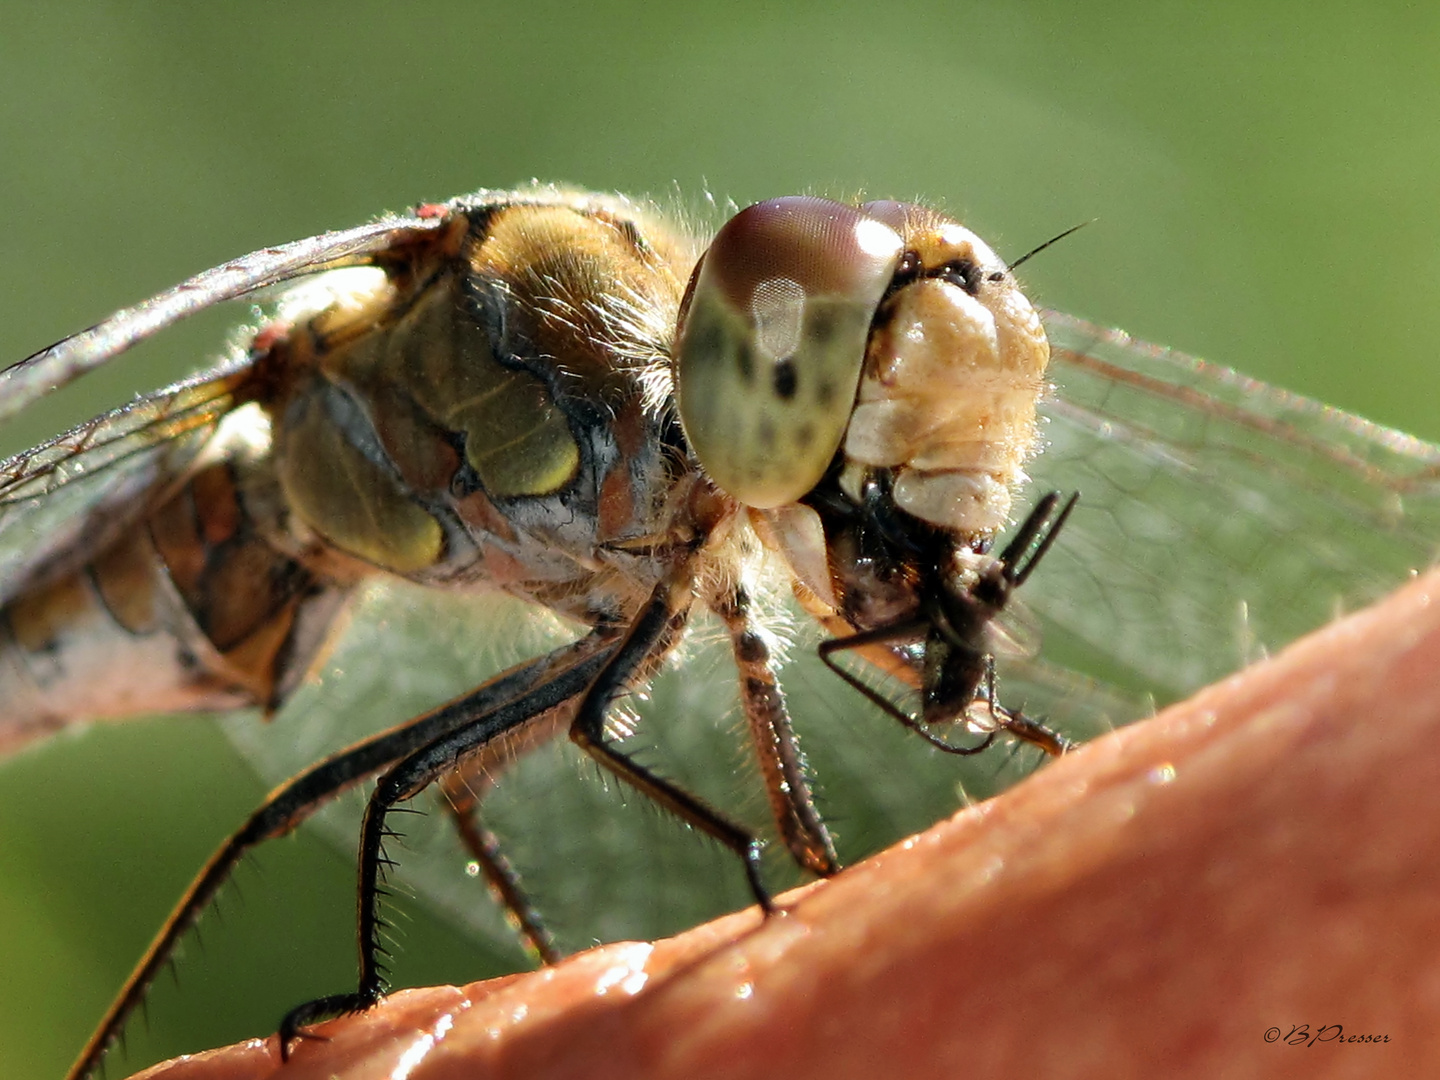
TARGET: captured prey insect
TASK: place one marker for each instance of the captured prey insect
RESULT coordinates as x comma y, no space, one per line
562,397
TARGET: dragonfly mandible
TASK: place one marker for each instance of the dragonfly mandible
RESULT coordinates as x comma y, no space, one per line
566,398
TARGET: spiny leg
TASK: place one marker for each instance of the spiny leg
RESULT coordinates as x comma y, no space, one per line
1026,729
651,636
781,764
633,660
462,802
290,804
470,731
463,790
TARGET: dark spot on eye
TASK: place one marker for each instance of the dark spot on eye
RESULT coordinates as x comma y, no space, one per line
705,337
785,379
825,392
766,434
745,360
820,325
804,436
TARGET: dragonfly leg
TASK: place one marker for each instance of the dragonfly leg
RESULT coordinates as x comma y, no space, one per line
602,680
462,802
296,800
472,726
781,764
651,635
464,789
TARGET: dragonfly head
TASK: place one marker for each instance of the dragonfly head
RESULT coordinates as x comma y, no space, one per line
887,338
865,379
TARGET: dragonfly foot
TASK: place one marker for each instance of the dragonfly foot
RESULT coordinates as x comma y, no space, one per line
312,1012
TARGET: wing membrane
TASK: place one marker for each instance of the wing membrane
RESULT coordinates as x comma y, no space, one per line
106,440
595,867
62,500
62,363
1219,519
63,511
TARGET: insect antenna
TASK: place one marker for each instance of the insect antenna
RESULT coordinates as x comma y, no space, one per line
1053,240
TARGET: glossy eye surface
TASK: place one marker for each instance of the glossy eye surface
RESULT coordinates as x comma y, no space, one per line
771,345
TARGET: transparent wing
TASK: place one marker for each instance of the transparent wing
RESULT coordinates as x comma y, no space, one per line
62,363
64,500
107,440
596,867
1219,518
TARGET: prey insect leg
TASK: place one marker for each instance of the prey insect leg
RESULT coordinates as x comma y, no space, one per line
903,632
958,667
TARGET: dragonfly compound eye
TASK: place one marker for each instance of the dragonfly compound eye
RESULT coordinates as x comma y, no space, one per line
772,342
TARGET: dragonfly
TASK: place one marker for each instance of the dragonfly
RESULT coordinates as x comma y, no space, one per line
641,438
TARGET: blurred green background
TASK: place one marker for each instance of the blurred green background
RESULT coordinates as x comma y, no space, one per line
1264,179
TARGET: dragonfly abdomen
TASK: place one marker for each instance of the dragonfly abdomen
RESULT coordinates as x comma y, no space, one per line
190,609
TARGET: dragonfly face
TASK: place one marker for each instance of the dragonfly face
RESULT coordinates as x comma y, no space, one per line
561,397
864,380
